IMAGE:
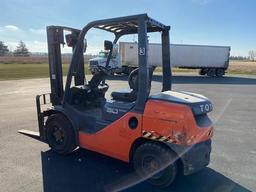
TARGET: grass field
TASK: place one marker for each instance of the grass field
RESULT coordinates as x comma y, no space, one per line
27,71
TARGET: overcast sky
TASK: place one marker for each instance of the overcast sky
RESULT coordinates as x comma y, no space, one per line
211,22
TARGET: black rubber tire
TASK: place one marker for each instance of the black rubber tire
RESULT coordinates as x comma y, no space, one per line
211,72
163,156
67,143
220,72
202,71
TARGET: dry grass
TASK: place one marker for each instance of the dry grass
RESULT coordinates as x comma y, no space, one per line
242,67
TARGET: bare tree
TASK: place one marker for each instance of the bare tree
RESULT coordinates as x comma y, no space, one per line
252,55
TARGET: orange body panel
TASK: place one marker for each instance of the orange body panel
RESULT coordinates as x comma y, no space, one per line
175,122
115,140
162,121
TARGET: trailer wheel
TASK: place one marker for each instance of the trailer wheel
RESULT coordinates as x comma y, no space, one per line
60,134
211,72
151,157
202,71
220,72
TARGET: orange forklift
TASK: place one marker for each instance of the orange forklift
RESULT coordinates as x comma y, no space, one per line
159,134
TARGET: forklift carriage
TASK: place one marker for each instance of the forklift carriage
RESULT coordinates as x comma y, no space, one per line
159,134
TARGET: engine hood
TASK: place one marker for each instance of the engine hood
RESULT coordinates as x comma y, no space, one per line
198,103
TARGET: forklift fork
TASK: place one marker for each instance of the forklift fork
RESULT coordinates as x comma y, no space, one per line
41,136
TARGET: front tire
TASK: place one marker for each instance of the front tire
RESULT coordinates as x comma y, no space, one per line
60,134
202,71
157,162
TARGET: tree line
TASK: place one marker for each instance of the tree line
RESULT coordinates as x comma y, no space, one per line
21,50
251,56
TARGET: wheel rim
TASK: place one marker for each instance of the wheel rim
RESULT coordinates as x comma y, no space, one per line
58,135
151,165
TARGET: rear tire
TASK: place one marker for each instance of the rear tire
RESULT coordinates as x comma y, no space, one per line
211,72
151,157
60,134
220,72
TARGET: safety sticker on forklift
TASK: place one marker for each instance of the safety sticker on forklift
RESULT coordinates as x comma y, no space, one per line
142,51
152,135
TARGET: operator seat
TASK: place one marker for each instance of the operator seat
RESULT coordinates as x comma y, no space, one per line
130,95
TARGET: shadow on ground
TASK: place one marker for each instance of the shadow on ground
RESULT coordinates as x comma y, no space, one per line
190,79
88,171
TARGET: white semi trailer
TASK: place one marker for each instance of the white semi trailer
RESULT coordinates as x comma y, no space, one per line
211,60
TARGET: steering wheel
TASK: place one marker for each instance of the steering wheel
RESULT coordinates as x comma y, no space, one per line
133,78
99,77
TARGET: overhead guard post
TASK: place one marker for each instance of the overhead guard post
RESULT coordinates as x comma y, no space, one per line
166,61
143,68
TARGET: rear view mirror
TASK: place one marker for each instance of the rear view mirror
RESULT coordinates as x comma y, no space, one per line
108,45
71,39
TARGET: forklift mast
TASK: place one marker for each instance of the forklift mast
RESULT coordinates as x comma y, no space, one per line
55,38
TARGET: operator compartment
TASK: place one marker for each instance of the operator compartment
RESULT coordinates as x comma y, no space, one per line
199,104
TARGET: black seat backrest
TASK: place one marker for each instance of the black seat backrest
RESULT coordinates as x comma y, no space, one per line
133,79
